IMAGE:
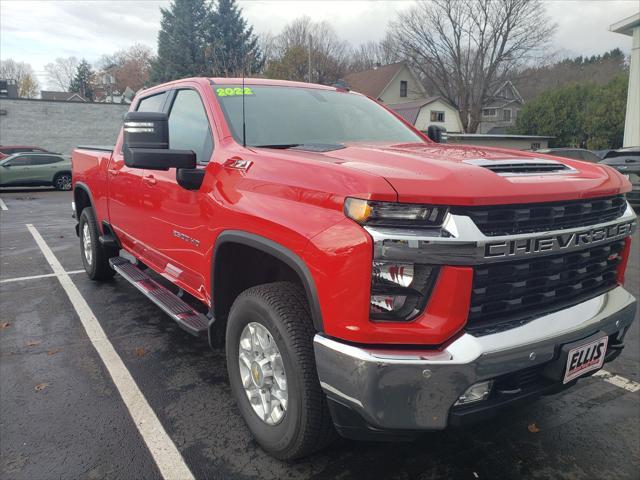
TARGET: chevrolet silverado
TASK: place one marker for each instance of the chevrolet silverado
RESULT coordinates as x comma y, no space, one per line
363,278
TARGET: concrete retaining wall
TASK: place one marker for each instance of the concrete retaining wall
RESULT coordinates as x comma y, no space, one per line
59,126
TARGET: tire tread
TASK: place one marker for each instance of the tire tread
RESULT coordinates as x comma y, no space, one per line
289,301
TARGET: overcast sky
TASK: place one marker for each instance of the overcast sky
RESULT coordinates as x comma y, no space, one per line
39,31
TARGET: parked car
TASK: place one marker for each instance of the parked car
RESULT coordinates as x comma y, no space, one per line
627,162
360,275
6,150
575,153
36,169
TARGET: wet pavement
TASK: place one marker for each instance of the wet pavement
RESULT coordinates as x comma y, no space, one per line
61,415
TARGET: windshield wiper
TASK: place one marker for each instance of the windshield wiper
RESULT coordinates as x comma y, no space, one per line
279,145
309,147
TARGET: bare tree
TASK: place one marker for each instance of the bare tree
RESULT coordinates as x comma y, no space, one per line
464,48
371,54
329,54
130,67
61,72
24,76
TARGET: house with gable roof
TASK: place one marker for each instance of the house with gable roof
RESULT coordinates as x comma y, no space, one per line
500,112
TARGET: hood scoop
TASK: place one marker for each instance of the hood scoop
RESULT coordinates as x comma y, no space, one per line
518,166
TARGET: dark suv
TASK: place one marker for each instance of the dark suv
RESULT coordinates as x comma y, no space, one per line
627,162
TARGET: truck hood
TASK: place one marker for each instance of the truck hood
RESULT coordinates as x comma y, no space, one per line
463,175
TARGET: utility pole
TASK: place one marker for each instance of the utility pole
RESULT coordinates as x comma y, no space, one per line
309,78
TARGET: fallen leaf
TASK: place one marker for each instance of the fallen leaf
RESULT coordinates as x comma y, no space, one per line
41,386
4,325
33,343
53,351
533,428
141,352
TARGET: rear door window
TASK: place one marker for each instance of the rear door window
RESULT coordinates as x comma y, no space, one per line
46,159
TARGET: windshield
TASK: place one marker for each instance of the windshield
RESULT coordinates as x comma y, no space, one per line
288,116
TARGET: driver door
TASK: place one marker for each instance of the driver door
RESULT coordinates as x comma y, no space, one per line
176,229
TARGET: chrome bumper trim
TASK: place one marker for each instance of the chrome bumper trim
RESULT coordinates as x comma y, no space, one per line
415,389
460,241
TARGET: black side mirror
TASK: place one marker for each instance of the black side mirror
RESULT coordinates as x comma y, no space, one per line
146,143
437,134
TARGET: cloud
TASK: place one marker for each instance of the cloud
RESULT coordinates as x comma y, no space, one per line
38,31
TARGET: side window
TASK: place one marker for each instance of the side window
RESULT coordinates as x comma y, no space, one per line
189,126
403,88
153,103
46,159
21,161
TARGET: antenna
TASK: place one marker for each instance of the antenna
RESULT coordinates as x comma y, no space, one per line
244,126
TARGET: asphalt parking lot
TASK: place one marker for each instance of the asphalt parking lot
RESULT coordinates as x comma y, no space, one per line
62,416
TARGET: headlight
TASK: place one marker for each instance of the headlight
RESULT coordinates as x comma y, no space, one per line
399,291
392,214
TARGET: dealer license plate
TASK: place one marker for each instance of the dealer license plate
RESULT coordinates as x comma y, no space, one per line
585,358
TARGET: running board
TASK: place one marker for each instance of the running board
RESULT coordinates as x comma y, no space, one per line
183,314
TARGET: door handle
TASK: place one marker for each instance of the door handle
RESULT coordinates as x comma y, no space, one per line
149,179
113,171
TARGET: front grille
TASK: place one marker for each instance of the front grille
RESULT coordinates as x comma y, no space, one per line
505,294
540,217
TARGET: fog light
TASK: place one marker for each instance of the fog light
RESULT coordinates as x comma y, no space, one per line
475,393
387,303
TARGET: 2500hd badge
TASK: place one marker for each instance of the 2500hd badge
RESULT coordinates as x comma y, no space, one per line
557,242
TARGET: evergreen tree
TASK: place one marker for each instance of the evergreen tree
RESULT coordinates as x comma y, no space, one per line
233,48
579,115
81,83
182,41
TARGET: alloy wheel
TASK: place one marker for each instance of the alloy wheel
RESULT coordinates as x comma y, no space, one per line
86,244
262,373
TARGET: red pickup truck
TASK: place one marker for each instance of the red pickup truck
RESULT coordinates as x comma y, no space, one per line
363,278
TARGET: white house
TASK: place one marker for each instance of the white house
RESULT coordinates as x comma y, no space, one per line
631,26
391,84
501,111
429,111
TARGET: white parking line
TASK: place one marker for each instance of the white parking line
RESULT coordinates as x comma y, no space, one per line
33,277
618,381
163,450
3,206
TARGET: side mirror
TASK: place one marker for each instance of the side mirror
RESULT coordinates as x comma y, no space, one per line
146,143
437,134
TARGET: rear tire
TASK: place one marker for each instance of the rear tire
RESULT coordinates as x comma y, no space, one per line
282,310
95,257
62,181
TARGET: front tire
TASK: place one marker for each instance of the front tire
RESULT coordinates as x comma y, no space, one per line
95,257
288,413
62,181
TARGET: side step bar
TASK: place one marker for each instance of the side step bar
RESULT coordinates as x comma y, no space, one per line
190,320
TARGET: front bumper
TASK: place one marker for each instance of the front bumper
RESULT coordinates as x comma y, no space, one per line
409,389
